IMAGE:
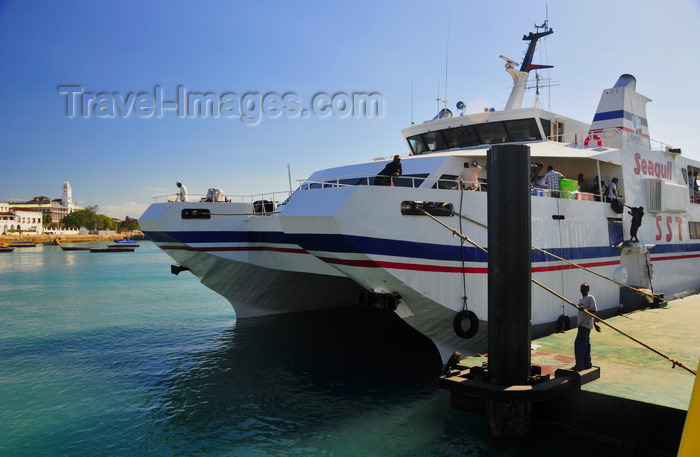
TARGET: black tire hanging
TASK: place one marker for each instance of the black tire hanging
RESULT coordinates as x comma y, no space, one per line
460,319
563,323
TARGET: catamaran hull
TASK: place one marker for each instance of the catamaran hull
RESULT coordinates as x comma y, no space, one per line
247,259
422,262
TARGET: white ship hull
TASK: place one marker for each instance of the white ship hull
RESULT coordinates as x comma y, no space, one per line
246,258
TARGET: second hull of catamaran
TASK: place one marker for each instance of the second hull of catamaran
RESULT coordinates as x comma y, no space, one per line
244,256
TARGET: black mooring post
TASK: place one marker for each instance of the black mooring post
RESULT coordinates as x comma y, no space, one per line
509,283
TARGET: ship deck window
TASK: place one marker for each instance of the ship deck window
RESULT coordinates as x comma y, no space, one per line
523,130
436,138
554,130
417,145
492,133
474,135
461,137
694,229
446,182
414,180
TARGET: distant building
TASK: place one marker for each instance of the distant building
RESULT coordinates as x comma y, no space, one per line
56,209
67,195
19,220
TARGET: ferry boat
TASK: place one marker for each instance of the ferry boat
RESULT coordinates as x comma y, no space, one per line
238,249
340,235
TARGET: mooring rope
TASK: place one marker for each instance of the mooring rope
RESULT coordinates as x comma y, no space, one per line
455,232
641,291
544,251
465,306
674,362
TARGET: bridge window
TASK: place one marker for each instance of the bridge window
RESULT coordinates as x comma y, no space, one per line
492,133
474,135
523,130
417,145
461,137
434,141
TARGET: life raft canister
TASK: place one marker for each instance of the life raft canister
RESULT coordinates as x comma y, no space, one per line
595,138
460,319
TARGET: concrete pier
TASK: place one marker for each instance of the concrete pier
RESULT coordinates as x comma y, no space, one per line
638,403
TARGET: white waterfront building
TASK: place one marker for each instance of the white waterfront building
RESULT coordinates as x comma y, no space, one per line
19,220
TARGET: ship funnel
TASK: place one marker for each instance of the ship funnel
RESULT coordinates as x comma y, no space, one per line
626,81
621,118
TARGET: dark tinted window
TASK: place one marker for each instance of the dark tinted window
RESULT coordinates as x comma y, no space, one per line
523,130
447,182
460,137
417,145
414,180
435,137
492,133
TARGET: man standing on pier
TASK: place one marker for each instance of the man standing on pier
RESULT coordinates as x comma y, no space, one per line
582,344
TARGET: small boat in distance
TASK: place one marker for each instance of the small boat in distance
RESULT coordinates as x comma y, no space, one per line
124,245
6,249
21,244
119,249
75,248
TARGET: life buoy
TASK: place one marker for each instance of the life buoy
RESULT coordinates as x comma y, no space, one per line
595,138
460,319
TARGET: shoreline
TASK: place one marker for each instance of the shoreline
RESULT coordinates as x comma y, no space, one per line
63,239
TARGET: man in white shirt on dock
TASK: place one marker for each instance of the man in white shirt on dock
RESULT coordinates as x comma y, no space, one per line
582,343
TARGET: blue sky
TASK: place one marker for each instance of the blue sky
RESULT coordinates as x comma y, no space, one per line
397,49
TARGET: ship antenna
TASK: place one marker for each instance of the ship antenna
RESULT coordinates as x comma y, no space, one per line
412,123
520,77
438,97
447,54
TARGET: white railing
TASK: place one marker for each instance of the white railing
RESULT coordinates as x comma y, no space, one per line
444,184
366,180
612,138
191,198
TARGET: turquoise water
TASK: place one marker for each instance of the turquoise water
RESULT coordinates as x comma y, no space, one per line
108,354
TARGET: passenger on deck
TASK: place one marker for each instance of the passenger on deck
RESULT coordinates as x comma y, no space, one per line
469,177
391,170
182,196
612,190
535,170
581,183
551,181
596,189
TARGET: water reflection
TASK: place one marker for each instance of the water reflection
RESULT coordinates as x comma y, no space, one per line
302,379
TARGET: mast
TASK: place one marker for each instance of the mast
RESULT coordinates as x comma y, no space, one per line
520,77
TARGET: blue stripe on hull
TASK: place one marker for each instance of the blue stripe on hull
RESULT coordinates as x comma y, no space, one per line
397,248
